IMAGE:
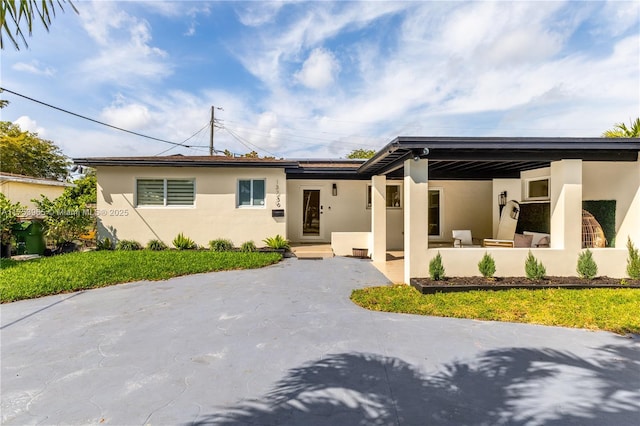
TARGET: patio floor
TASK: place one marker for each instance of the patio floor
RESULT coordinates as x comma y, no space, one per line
393,268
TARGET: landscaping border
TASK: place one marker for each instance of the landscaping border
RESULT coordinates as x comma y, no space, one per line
428,286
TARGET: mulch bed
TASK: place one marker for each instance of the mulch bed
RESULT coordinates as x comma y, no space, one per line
453,284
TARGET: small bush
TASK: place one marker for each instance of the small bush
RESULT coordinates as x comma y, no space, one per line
221,244
156,245
128,245
533,269
104,244
248,247
184,243
587,267
487,266
436,269
633,261
278,242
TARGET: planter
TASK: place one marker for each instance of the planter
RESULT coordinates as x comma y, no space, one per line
455,284
362,253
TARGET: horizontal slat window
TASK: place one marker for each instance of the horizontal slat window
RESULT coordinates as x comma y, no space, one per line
165,192
150,192
180,192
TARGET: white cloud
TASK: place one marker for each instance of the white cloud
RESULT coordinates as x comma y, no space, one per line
318,70
254,14
130,117
26,123
126,55
34,67
617,17
99,18
191,31
268,55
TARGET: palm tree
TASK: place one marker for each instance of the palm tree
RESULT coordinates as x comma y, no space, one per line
620,130
16,13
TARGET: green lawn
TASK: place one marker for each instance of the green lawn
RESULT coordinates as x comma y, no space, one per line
614,310
79,271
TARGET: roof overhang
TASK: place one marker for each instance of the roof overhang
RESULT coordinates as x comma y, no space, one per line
326,169
183,161
492,158
451,158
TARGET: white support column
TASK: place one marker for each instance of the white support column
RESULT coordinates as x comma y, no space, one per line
379,218
566,204
416,232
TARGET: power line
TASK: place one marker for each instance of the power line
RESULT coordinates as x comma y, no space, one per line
95,121
290,131
246,143
182,143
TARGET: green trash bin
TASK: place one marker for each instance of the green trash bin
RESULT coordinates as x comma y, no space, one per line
34,240
19,231
29,237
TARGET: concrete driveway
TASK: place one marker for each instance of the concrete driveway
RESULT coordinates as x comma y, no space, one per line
284,345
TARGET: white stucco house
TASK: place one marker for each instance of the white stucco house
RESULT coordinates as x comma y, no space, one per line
22,189
410,196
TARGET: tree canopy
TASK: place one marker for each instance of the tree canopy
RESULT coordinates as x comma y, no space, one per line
17,17
85,190
24,153
620,130
361,153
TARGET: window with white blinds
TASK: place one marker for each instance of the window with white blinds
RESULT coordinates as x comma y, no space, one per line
165,192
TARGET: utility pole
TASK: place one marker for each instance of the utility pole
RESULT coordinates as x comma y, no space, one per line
211,133
213,125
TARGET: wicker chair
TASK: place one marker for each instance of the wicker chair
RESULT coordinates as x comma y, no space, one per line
592,233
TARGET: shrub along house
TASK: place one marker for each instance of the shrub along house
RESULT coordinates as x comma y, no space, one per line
410,196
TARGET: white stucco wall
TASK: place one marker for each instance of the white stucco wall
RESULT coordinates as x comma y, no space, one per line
460,262
513,187
23,193
214,215
345,212
620,182
466,205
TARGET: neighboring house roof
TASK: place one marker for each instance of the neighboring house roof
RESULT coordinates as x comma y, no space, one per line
449,157
11,177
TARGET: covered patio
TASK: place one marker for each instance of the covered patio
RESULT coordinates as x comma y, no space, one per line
575,170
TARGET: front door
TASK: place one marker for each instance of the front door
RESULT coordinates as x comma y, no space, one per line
311,213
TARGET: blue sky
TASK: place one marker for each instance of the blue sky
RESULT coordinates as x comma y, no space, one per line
319,79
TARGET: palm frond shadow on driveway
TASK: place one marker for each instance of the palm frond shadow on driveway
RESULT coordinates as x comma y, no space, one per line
515,386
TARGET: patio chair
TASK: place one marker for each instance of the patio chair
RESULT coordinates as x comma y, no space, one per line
463,238
506,227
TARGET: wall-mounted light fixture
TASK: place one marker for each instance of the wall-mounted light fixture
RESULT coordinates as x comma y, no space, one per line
334,189
502,200
420,153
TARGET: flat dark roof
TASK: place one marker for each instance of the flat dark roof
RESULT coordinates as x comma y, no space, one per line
494,157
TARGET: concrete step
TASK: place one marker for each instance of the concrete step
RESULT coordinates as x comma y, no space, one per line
312,251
